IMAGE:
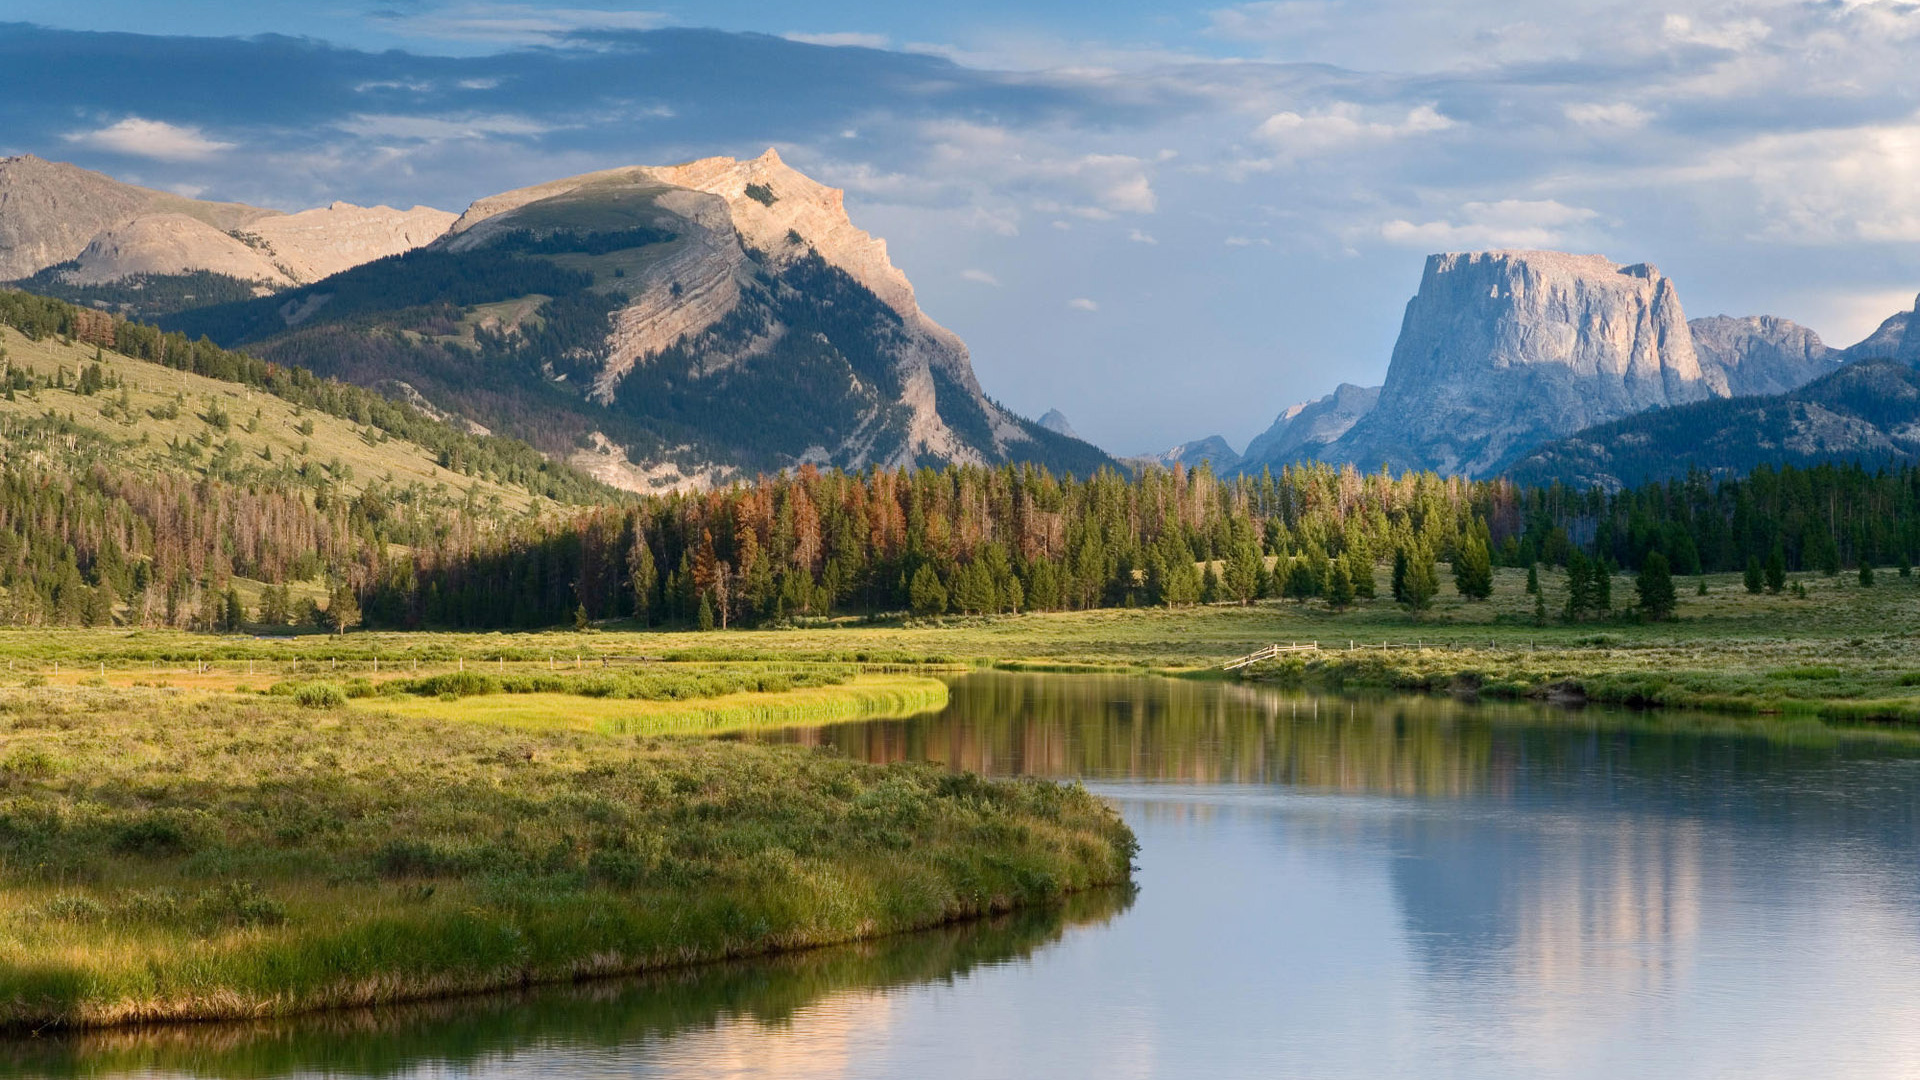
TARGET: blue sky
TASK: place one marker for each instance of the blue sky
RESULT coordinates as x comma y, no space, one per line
1168,221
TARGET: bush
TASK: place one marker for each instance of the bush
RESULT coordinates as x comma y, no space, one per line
320,695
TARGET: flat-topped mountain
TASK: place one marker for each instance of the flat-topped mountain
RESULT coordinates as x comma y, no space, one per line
661,327
1501,349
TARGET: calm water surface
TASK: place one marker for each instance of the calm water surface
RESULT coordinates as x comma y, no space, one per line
1327,888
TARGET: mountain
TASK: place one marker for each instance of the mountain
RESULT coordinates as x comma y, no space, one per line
1501,350
661,327
1889,340
1303,429
71,232
1867,411
1056,422
1213,451
1759,354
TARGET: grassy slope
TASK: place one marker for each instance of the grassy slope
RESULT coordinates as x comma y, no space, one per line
171,856
143,440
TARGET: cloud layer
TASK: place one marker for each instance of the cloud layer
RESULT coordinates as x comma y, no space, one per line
1249,202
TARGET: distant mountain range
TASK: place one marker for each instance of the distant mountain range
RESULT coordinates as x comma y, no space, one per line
660,328
1503,353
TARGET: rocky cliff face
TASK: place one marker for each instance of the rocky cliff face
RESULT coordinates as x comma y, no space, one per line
1759,354
1303,429
735,222
96,230
1500,350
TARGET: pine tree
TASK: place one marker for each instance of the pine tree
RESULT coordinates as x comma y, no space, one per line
1579,587
1754,579
703,618
1422,580
1339,586
1601,573
1654,586
1473,567
580,620
233,615
927,595
1866,573
1400,575
1776,569
1533,580
641,578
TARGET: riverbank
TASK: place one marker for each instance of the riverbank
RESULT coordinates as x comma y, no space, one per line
174,855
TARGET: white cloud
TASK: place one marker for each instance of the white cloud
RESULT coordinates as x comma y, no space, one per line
1509,223
844,39
519,23
980,277
154,139
440,128
1344,127
1623,115
1140,237
1081,303
1843,185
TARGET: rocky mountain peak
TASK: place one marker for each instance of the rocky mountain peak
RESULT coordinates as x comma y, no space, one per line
1499,349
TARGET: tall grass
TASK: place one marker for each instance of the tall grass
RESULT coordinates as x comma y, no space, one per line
168,858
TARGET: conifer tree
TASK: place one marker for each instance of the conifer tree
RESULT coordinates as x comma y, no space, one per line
641,578
1754,579
1601,574
1579,587
1473,567
1776,569
1422,580
927,595
1654,587
1339,586
1533,579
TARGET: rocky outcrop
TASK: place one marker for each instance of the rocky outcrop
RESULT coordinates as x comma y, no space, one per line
1303,429
1056,422
1759,354
100,231
1501,350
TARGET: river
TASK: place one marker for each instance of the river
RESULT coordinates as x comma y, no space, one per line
1327,887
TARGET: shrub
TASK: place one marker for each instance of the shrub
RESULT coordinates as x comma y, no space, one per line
155,835
320,695
241,903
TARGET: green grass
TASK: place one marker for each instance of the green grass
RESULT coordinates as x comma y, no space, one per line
181,856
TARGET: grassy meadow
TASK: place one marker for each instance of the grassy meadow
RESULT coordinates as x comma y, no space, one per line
200,826
170,854
1843,648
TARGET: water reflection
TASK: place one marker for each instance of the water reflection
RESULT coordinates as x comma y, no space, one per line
1328,887
722,1008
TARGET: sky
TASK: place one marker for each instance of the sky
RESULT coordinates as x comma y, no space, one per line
1168,220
